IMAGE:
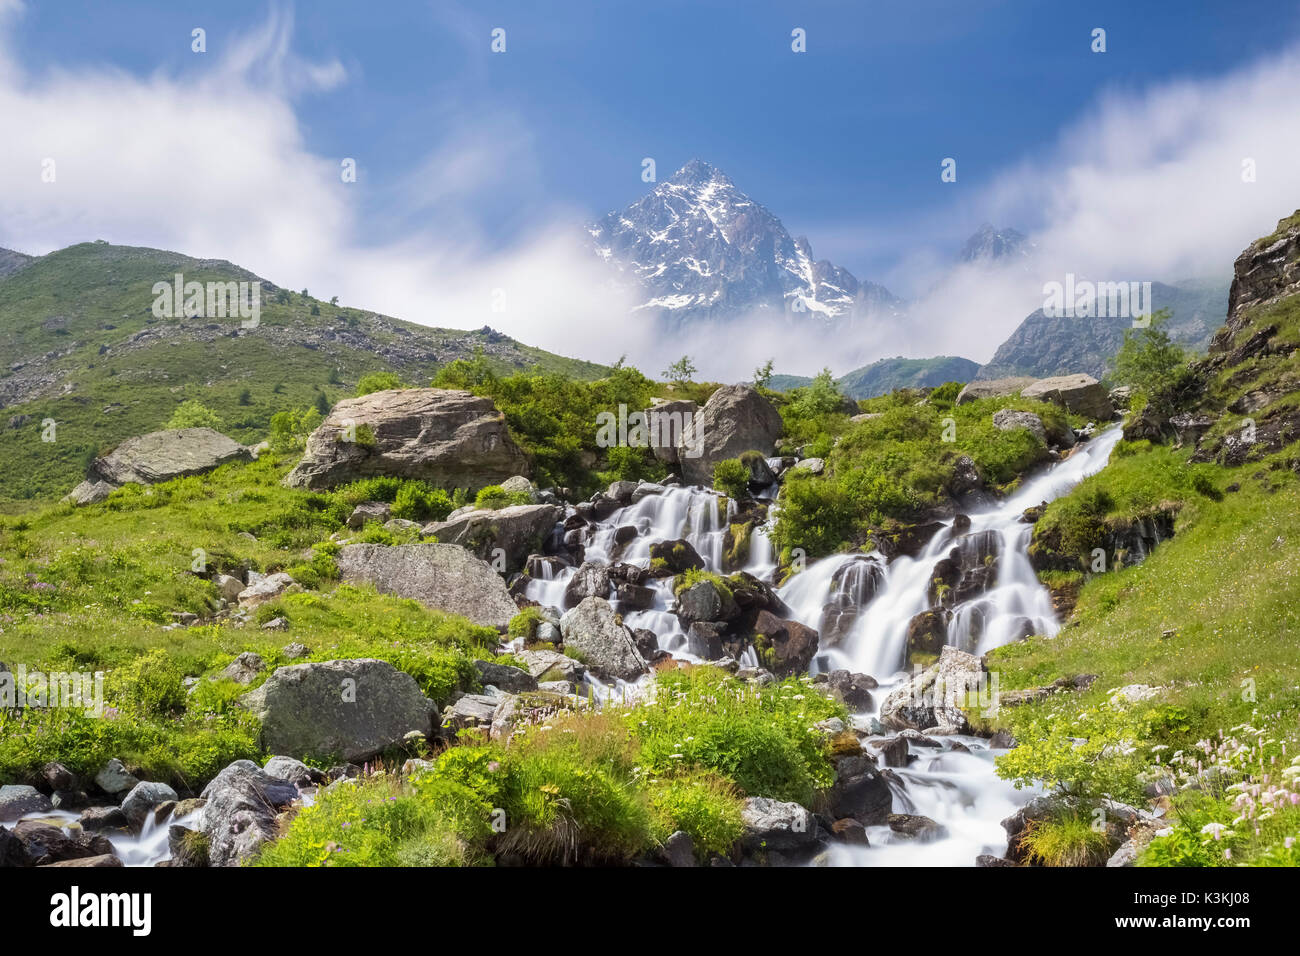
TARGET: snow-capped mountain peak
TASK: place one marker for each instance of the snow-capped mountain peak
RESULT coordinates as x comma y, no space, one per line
698,247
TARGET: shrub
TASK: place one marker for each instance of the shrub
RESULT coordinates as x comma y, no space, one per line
416,501
494,497
703,805
378,382
193,414
731,477
150,686
1067,839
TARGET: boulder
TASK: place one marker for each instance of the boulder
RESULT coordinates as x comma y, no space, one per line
352,709
228,587
669,423
598,635
17,800
158,456
775,825
735,419
519,485
244,668
814,466
512,680
517,530
239,815
265,589
144,799
471,710
369,511
852,690
1080,394
927,633
114,779
58,777
932,698
705,600
860,791
293,771
913,826
678,850
46,844
993,388
591,579
446,437
784,647
548,666
1007,419
442,576
673,558
12,851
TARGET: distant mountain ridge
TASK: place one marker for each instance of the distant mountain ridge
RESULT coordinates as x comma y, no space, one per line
1042,346
887,375
696,247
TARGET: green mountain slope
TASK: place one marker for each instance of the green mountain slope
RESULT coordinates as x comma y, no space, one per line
1043,346
80,345
888,375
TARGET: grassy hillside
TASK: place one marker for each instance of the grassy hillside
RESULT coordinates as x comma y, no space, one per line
82,347
1209,621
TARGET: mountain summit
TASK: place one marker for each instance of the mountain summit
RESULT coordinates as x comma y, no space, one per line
989,244
697,247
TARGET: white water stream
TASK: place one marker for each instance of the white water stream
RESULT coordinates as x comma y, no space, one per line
955,783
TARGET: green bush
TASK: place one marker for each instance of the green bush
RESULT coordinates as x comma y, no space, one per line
495,497
378,382
731,477
193,414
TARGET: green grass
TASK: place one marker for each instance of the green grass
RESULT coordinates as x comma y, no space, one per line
93,297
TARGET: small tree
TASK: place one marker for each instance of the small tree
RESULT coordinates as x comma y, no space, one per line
378,382
334,300
681,372
193,414
763,374
1153,363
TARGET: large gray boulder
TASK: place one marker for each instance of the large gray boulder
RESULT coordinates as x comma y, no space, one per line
16,800
144,799
993,388
517,530
735,419
158,456
1081,394
603,641
349,709
443,576
239,815
933,698
1006,419
447,437
776,825
669,422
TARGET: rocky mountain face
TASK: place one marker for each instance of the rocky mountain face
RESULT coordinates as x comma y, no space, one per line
696,247
1046,345
11,262
989,244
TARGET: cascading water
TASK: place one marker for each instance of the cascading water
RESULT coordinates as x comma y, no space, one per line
862,604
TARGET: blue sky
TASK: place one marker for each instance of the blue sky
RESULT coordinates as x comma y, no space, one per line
842,142
477,170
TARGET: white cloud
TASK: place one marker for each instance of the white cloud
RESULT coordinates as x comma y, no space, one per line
214,163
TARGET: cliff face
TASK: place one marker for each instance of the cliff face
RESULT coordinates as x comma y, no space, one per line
1266,272
1247,411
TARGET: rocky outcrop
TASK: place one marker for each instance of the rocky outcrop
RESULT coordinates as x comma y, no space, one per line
511,533
446,437
350,709
240,810
784,647
735,419
1080,394
933,698
442,576
605,645
158,456
1007,419
1267,270
669,422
